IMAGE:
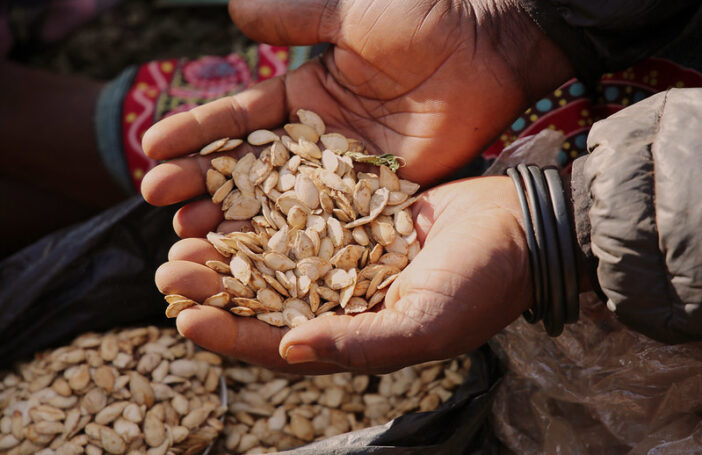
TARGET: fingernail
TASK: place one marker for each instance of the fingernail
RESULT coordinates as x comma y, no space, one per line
299,353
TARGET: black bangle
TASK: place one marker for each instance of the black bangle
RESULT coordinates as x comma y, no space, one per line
539,310
555,318
530,315
551,247
565,241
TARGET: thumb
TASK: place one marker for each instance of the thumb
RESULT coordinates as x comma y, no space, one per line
370,342
285,22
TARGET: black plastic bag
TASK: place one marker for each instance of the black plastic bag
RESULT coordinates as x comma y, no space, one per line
94,276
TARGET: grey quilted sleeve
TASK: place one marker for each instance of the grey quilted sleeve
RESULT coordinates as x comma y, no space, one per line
638,209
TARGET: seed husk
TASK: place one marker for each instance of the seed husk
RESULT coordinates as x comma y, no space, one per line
298,131
306,191
222,192
305,149
274,318
218,266
214,146
356,305
214,180
394,259
396,198
262,137
243,207
335,142
242,311
377,203
388,179
241,174
240,267
224,165
231,144
260,171
270,299
311,118
332,181
278,261
393,209
403,222
174,309
219,300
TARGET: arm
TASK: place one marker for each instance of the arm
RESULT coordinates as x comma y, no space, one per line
638,216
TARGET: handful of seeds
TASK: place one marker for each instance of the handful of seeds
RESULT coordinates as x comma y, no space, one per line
143,390
323,235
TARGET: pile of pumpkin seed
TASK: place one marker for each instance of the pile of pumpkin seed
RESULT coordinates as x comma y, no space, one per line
270,412
322,235
149,391
143,390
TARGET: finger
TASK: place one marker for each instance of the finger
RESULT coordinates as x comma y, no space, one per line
192,280
283,22
175,181
262,106
194,250
243,338
197,218
182,178
370,342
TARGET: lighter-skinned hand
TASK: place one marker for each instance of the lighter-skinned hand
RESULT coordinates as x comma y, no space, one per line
470,279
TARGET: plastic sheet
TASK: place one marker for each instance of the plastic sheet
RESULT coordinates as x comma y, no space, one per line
598,388
93,276
539,149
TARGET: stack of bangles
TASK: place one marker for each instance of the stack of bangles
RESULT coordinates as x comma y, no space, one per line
551,247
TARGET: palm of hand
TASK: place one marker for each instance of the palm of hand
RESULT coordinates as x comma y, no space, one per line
409,78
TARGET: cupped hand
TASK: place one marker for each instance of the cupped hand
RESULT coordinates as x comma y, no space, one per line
433,81
470,279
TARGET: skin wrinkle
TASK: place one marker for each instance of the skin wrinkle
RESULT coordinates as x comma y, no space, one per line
351,349
201,124
382,70
437,349
286,95
336,72
377,19
329,12
423,21
468,6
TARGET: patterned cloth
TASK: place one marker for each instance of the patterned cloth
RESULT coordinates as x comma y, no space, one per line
162,88
166,87
571,111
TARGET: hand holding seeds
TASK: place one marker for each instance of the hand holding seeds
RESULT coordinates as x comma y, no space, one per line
427,80
310,244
